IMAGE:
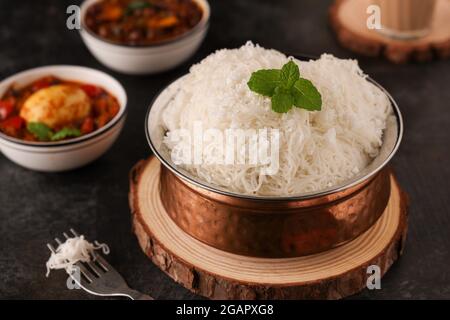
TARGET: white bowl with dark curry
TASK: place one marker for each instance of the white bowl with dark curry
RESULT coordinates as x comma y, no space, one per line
143,36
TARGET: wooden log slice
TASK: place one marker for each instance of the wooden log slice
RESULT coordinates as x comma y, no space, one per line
216,274
348,18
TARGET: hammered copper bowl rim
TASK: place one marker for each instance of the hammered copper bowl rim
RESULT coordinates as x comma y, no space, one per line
268,205
344,189
287,205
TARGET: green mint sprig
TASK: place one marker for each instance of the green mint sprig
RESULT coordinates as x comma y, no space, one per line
44,133
286,88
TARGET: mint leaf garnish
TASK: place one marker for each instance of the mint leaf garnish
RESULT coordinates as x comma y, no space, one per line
281,100
306,95
40,131
286,88
265,81
65,133
289,74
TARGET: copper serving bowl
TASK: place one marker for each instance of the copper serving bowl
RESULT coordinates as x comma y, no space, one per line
269,226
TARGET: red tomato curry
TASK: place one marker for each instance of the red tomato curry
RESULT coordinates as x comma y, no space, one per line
101,108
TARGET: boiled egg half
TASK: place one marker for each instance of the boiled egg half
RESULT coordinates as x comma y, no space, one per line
57,106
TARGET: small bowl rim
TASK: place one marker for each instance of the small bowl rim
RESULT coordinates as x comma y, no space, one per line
201,25
50,144
349,183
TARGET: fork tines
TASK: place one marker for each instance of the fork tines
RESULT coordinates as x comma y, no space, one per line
91,269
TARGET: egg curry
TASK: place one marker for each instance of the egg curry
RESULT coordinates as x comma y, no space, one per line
52,109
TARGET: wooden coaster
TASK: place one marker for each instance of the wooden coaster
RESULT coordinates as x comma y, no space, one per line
348,19
217,274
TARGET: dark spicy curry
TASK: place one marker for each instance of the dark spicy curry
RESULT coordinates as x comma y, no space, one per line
52,109
142,22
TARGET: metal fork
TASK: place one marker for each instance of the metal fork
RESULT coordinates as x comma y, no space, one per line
98,277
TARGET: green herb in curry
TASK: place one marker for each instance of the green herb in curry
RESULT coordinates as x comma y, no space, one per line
43,133
40,131
66,133
137,5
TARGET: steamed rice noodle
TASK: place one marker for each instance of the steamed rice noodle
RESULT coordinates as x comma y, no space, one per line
317,149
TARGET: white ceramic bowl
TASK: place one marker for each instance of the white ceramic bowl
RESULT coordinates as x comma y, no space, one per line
67,154
145,59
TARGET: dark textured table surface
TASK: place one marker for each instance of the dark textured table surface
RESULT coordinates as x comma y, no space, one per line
34,207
